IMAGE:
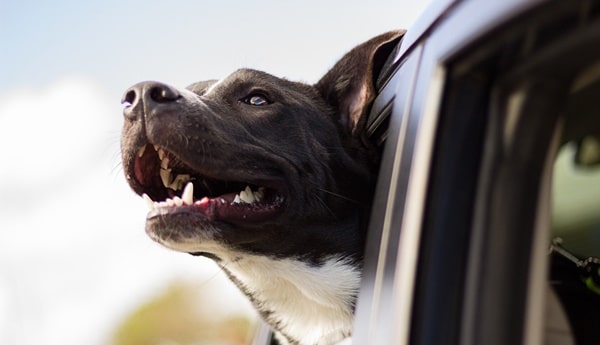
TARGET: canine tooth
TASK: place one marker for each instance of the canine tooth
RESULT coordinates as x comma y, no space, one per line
247,196
164,162
156,147
149,201
237,199
166,177
161,154
188,193
141,151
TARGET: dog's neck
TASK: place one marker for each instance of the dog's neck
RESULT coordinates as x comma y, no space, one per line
308,304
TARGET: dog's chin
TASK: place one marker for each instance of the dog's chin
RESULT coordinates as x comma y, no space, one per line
177,233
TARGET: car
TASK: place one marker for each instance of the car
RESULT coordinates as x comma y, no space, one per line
485,226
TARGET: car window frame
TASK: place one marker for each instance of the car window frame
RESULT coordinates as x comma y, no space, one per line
440,45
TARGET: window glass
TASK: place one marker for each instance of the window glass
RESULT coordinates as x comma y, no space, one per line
576,196
576,175
575,267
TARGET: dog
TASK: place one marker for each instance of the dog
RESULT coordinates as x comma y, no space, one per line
272,179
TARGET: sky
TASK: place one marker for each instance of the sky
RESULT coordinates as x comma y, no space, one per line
74,258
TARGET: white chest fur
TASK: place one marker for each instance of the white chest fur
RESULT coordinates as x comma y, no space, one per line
311,304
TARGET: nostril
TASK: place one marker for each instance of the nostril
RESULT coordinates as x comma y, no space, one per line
163,94
141,98
129,98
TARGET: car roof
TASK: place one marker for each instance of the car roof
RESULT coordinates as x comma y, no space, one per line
490,15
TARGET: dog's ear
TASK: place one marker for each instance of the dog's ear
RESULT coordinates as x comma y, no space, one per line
349,86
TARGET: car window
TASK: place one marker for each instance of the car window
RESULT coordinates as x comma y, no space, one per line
576,196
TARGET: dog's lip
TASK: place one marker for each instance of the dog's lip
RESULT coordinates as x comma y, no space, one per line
221,208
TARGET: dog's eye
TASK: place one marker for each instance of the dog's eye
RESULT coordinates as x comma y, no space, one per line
256,99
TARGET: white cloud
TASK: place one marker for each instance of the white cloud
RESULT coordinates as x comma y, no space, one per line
50,131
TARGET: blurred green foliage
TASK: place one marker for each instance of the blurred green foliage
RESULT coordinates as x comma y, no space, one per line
181,316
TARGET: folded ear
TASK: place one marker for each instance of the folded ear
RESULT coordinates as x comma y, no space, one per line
349,87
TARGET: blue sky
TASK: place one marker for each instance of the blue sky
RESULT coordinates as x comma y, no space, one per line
120,42
74,258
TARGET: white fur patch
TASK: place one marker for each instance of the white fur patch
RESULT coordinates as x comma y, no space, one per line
313,304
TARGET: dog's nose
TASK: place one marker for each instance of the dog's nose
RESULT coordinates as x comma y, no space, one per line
143,96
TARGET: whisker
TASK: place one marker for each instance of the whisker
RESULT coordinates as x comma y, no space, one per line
339,196
117,168
324,204
213,277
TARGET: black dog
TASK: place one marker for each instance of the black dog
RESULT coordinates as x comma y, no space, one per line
271,179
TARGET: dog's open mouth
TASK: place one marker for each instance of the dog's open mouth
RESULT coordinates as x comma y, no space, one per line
169,186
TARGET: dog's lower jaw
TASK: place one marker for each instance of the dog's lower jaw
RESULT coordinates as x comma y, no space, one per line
305,304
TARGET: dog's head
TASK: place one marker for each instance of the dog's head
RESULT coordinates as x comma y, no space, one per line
258,164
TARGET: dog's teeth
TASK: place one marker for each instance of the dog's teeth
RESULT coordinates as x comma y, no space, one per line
177,201
164,162
166,177
237,199
247,196
141,151
156,147
149,201
179,181
161,154
188,193
259,194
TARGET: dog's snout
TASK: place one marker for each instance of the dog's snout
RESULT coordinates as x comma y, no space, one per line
143,96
